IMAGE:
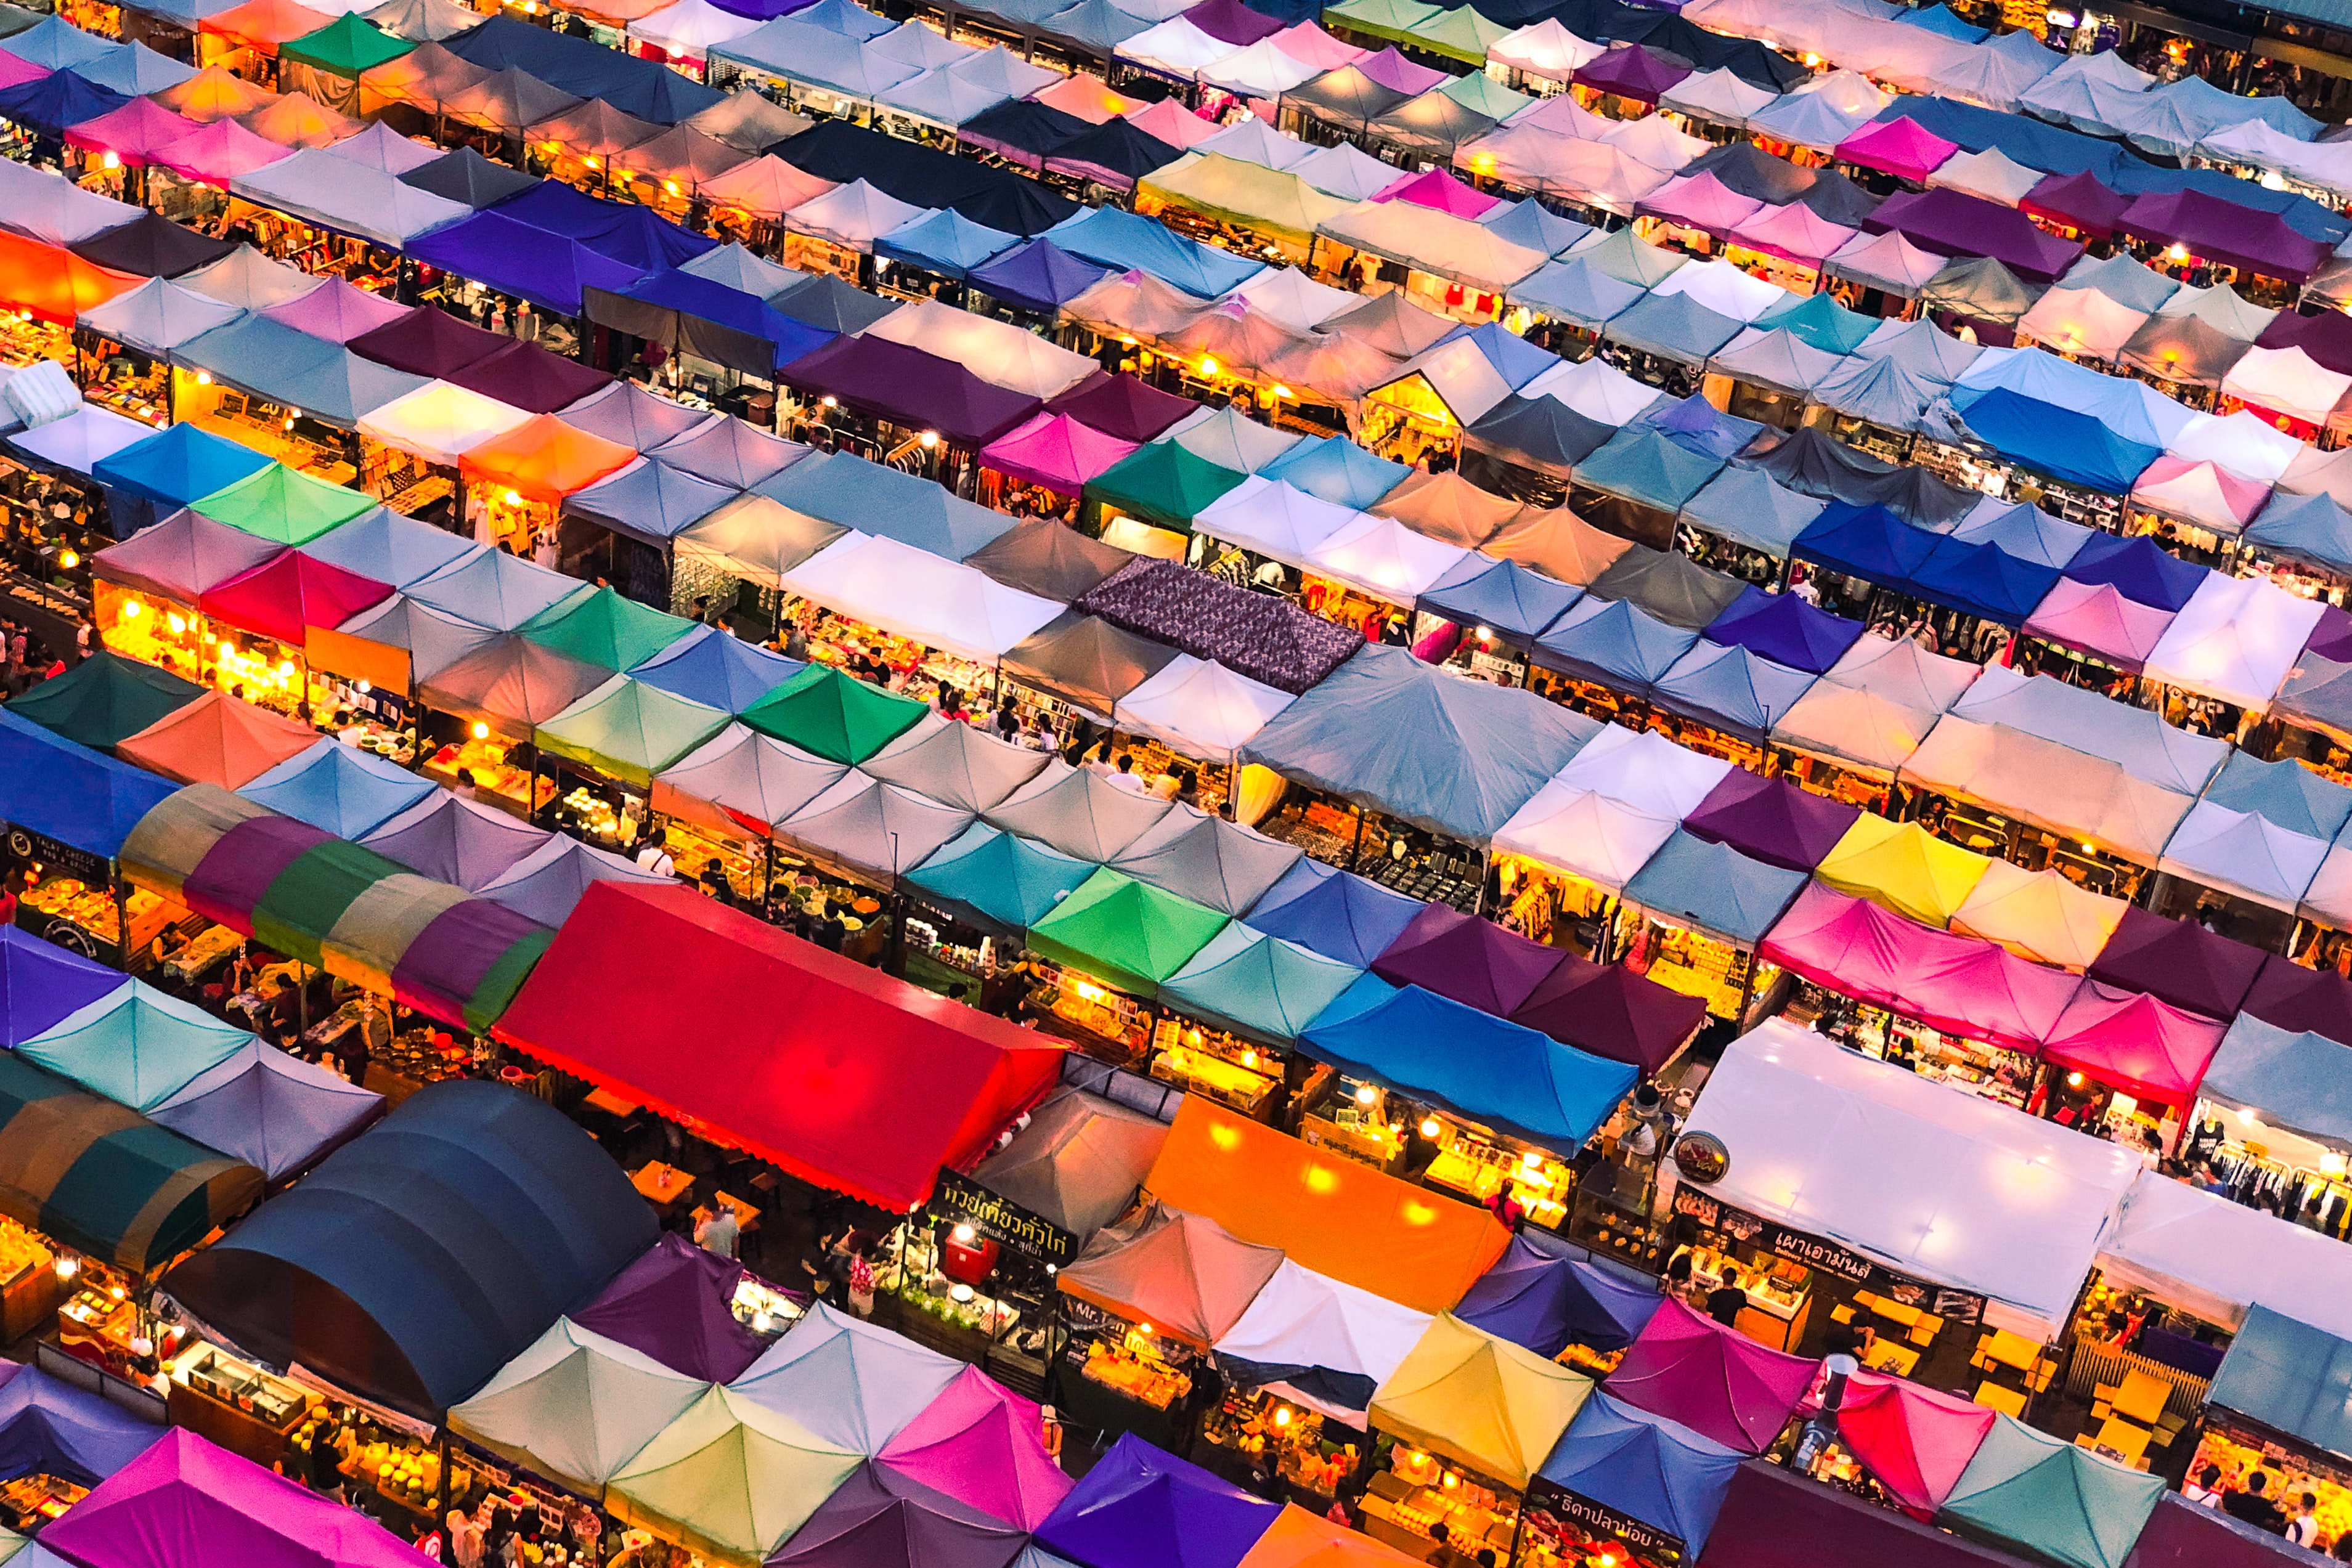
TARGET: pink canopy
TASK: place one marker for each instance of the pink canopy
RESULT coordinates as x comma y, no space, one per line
1056,450
1171,122
1795,232
1716,1381
2199,491
1310,44
1913,1441
1700,201
1979,989
2097,618
1902,147
337,310
216,153
1437,189
2130,1039
1847,944
979,1442
14,73
185,1502
134,133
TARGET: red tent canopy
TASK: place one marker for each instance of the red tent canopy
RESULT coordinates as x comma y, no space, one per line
283,598
1915,1440
839,1074
2140,1045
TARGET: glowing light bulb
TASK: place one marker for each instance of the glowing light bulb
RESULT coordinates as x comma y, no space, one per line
928,439
67,559
1282,1415
2073,1080
964,1233
514,497
1366,1094
132,610
203,378
481,730
1431,1126
179,624
828,401
1208,365
112,160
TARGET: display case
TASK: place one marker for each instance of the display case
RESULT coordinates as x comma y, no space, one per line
235,1403
1216,1066
1478,1170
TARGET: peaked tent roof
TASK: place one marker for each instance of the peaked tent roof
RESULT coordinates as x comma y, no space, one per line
1718,1382
1657,1471
2059,1501
1548,1296
1185,1275
673,1304
575,1405
978,1443
1480,1401
1141,1507
852,1384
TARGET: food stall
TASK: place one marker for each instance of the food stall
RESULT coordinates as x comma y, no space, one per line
73,893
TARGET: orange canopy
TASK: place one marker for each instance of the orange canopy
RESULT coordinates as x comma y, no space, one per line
297,120
544,460
53,284
1358,1225
216,739
264,24
214,93
1298,1539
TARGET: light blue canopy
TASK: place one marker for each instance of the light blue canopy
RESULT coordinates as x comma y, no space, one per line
2310,529
649,500
1479,590
274,1111
2287,793
2299,1079
945,241
1334,912
1259,986
800,51
135,1046
843,489
1007,881
941,96
2290,1376
1573,289
1613,642
135,71
383,545
1648,466
1123,240
1645,1467
845,1381
1748,506
338,789
1495,1073
1673,325
1534,225
1714,887
1515,359
2024,531
494,589
1731,687
1879,391
710,667
1335,470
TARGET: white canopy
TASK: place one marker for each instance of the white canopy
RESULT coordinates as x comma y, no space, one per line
1652,139
2081,321
1727,289
997,352
1643,768
575,1405
1435,242
1262,70
2215,1259
1585,833
854,214
2236,639
689,28
2243,443
1200,708
1544,49
940,604
1252,140
865,826
1274,519
1175,48
1305,1319
1991,174
1385,558
1292,298
1347,171
1945,1187
2288,381
440,422
1722,96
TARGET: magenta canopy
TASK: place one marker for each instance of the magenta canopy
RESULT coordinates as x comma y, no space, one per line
1771,819
1716,1381
671,1303
1469,960
2213,229
1901,147
2097,618
1056,450
192,1505
1701,202
978,1443
1394,71
1913,1441
1847,944
1633,72
1439,190
2137,1044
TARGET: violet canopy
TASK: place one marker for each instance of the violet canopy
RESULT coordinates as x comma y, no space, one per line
909,387
1774,1518
1546,1294
672,1304
40,984
979,1443
49,1427
1949,222
1785,629
1141,1507
1469,960
1771,819
881,1517
1717,1382
2176,962
1611,1013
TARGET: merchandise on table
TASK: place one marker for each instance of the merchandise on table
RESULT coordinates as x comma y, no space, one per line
1312,1455
1419,1491
498,781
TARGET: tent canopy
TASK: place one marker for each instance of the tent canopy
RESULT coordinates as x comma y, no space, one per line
850,1384
1481,1401
1718,1382
673,1304
2058,1501
1647,1466
1184,1275
978,1443
1140,1508
1323,1343
1547,1296
575,1405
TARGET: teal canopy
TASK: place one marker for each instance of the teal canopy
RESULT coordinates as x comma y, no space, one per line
999,881
1647,466
1258,986
136,1046
2047,1498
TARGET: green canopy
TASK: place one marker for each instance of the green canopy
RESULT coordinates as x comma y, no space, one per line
995,880
2050,1499
303,904
276,503
106,699
730,1477
1394,20
1258,985
1462,35
629,730
606,629
828,714
1125,933
137,1047
1162,483
345,46
1478,91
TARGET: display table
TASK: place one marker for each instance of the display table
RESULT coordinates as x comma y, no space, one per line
235,1404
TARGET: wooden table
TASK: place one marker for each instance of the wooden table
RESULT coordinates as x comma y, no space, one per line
607,1101
2123,1437
1892,1355
2012,1350
2141,1398
660,1183
1893,1311
2008,1401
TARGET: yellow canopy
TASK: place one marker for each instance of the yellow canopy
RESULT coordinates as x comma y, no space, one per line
2039,914
1480,1401
1277,206
1904,867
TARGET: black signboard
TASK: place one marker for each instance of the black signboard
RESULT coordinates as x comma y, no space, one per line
1827,1256
59,859
961,1198
1575,1528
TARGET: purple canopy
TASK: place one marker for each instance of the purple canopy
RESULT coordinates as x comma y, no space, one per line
185,1502
237,872
1770,820
1393,70
1469,960
909,387
1716,1381
1774,1518
1230,21
1547,1299
879,1519
1785,629
453,958
2179,963
1633,72
2213,229
1119,405
49,1427
1140,1508
1950,222
671,1304
1611,1011
40,984
457,841
277,1113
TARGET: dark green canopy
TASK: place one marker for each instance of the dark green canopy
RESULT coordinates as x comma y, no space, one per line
104,700
826,713
345,46
1125,933
1162,484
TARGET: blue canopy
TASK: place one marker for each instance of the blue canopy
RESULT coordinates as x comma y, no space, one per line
2311,527
1515,359
515,258
2288,793
1648,466
628,232
1516,603
1691,881
2302,1079
382,545
1259,986
1123,240
54,44
646,89
63,790
1698,427
1613,642
845,1381
842,487
49,1427
1786,629
338,789
1941,20
1140,1508
1983,580
2138,568
2024,531
429,1251
2048,148
2063,442
718,671
49,104
753,336
177,466
1728,687
1868,542
1574,289
997,880
1041,277
1335,470
42,985
1748,506
1546,1294
1494,1072
1645,1467
650,500
2291,1377
945,241
1820,320
1332,911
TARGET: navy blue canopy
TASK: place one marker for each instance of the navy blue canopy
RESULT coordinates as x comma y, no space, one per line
1868,542
1332,911
583,69
513,257
49,1427
1698,425
925,177
1515,603
56,101
2071,445
1613,643
1785,629
1040,275
62,790
1645,1467
628,232
1547,1294
2138,568
429,1251
1020,125
1983,580
710,320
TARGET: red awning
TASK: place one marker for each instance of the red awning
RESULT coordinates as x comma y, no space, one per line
838,1074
